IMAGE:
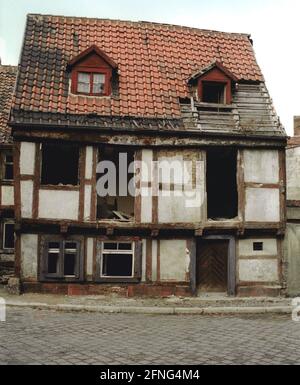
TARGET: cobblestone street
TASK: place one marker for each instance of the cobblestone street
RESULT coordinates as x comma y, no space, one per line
46,337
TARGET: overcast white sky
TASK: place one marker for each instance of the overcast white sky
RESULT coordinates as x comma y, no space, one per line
273,24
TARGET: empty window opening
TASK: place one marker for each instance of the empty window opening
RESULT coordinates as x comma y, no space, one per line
60,164
116,202
117,260
221,180
61,260
8,236
8,166
258,246
213,92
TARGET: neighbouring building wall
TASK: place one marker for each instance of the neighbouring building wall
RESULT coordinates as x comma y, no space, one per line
292,239
292,258
293,173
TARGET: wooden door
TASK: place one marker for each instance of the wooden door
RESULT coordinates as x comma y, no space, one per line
212,265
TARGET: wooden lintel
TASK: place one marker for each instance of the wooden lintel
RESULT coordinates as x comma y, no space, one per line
199,232
154,233
64,227
110,231
241,231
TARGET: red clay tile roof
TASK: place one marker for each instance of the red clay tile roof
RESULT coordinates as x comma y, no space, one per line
7,82
154,63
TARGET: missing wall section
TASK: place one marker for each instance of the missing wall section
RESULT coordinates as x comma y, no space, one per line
221,179
115,202
60,164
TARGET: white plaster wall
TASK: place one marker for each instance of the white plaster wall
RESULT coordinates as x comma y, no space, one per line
262,205
293,173
29,256
7,197
89,162
146,192
56,204
184,205
261,166
146,205
26,198
269,247
174,260
258,270
89,257
87,202
27,158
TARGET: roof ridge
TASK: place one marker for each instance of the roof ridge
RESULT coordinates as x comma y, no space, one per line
179,26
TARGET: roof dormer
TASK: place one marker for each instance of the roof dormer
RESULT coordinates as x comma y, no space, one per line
214,84
91,73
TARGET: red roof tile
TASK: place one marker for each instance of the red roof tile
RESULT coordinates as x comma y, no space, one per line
7,82
154,62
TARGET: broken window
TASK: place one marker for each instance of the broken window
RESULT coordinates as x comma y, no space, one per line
213,92
117,260
8,236
62,260
91,83
221,180
115,186
60,164
8,166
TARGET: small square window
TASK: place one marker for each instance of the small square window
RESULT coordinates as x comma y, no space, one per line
258,246
91,83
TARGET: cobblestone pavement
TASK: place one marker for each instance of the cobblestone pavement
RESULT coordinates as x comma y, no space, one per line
48,337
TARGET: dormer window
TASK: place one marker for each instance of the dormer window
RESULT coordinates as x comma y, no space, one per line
92,83
91,73
214,84
213,92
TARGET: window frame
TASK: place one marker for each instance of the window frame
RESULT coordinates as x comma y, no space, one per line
59,275
4,223
60,186
4,154
217,83
91,71
137,254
